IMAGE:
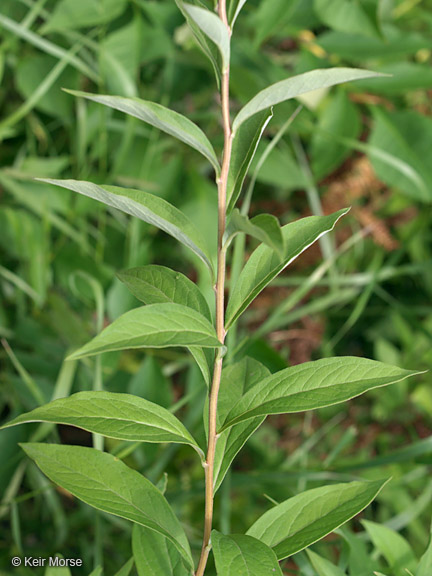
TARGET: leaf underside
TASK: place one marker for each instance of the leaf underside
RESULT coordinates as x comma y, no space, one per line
145,206
120,416
154,326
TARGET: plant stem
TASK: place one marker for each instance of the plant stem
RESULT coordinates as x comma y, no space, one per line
220,314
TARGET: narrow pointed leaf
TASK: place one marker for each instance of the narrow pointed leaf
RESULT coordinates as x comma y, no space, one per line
209,49
237,379
106,483
119,416
296,86
264,227
314,385
264,264
324,567
395,549
125,570
146,207
306,518
154,326
213,28
157,284
155,555
244,146
164,119
234,9
204,357
239,554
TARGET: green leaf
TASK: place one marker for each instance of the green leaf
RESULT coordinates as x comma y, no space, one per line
314,385
154,326
207,47
157,284
119,416
126,568
156,555
204,357
234,9
239,554
58,570
324,567
106,483
146,207
360,561
264,227
393,547
244,146
306,518
425,565
160,117
264,264
349,17
213,28
237,379
297,85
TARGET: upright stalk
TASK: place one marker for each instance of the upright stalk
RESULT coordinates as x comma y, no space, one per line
220,316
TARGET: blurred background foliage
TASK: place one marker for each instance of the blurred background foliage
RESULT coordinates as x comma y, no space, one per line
365,291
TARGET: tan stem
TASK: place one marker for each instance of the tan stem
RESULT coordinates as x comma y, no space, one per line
220,319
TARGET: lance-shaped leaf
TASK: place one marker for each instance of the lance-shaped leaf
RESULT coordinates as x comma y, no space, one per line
264,264
296,86
245,143
239,554
324,567
213,28
125,570
106,483
119,416
154,326
314,385
146,207
157,284
204,357
395,549
164,119
306,518
156,555
234,9
237,379
264,227
209,49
